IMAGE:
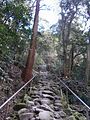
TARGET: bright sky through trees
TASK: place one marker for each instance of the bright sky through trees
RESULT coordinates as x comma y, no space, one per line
49,17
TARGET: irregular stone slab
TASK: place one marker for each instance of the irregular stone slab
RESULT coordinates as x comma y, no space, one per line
58,119
45,101
48,92
57,97
36,92
46,115
56,108
57,115
57,101
8,118
24,110
37,110
62,114
70,118
48,96
46,107
33,88
26,116
29,103
37,118
37,101
42,67
83,118
35,96
44,74
26,97
33,118
58,104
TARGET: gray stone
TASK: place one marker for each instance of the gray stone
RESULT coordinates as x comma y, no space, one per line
8,118
70,118
83,118
57,115
37,118
23,110
33,118
35,96
48,92
46,115
62,114
42,67
26,116
37,101
35,92
57,97
58,119
33,88
37,110
44,74
56,108
57,101
48,96
26,97
46,101
46,107
29,103
58,104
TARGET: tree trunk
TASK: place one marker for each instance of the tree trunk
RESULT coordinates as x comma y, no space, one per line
88,61
71,60
27,73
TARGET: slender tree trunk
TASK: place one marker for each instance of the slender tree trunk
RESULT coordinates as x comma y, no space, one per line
65,31
88,61
88,48
27,73
71,57
63,38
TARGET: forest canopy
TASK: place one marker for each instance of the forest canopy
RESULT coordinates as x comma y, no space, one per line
66,46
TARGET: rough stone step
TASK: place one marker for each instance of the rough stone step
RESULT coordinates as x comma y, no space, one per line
45,103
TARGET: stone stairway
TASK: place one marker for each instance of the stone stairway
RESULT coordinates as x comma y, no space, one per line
44,102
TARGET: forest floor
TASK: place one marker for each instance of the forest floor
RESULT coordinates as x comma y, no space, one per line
10,82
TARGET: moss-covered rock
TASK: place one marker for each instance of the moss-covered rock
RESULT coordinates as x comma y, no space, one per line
79,116
19,106
71,118
27,98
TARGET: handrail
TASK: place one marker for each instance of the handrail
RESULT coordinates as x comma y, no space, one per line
74,94
16,92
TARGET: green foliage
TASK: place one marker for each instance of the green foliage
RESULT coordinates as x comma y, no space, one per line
71,46
15,29
45,47
79,116
79,71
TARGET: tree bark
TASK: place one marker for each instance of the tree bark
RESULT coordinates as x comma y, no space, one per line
27,73
71,60
88,61
66,29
